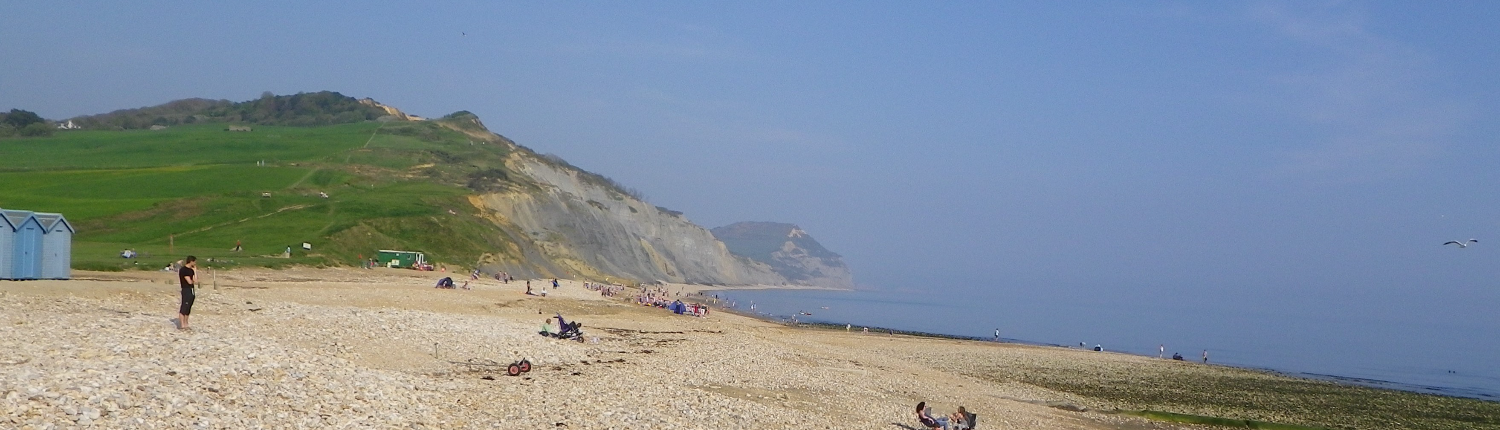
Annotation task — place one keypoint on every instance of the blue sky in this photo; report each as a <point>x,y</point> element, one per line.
<point>1282,157</point>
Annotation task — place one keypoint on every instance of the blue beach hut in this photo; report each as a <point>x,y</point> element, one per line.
<point>26,246</point>
<point>35,245</point>
<point>8,222</point>
<point>57,246</point>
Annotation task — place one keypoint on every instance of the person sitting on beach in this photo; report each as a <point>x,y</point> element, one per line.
<point>962,420</point>
<point>547,327</point>
<point>1177,356</point>
<point>924,415</point>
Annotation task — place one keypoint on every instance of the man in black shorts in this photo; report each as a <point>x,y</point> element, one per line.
<point>189,279</point>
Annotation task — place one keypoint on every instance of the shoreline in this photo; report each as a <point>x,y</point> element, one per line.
<point>688,289</point>
<point>354,347</point>
<point>1352,381</point>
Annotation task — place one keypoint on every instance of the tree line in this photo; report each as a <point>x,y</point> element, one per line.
<point>301,109</point>
<point>24,123</point>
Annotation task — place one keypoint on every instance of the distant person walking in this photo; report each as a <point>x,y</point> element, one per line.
<point>997,335</point>
<point>1161,351</point>
<point>1205,356</point>
<point>188,277</point>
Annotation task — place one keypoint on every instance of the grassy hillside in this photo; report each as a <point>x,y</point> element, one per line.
<point>199,188</point>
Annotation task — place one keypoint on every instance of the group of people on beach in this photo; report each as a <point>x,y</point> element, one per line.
<point>658,296</point>
<point>1161,351</point>
<point>447,283</point>
<point>606,290</point>
<point>958,420</point>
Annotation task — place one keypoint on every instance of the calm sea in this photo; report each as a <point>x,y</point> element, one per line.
<point>1467,365</point>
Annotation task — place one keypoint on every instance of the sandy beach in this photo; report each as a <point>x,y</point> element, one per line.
<point>350,348</point>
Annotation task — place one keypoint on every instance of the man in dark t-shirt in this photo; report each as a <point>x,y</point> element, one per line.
<point>189,279</point>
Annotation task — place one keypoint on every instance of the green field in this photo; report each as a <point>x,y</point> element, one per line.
<point>197,189</point>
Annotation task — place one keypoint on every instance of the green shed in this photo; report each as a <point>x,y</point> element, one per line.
<point>390,258</point>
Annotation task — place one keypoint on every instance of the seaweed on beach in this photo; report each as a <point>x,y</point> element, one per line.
<point>1243,394</point>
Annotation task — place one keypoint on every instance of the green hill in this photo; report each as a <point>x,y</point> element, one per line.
<point>350,177</point>
<point>195,188</point>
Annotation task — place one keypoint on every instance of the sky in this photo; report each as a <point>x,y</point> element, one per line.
<point>1260,160</point>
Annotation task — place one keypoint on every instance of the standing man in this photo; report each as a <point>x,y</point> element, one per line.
<point>1161,351</point>
<point>188,277</point>
<point>1205,356</point>
<point>997,335</point>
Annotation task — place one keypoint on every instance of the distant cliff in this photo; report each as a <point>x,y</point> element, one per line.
<point>569,221</point>
<point>789,251</point>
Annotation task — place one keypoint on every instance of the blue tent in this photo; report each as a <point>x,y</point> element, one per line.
<point>678,307</point>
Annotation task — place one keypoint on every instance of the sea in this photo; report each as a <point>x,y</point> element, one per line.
<point>1312,348</point>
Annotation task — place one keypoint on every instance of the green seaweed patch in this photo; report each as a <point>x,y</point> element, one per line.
<point>1199,419</point>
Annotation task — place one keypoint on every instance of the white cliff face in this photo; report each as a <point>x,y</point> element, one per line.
<point>581,227</point>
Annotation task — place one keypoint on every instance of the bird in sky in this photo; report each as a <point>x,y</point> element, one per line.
<point>1460,244</point>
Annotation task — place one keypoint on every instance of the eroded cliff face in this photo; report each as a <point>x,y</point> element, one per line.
<point>789,251</point>
<point>567,223</point>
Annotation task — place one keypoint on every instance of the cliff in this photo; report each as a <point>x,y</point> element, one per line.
<point>789,251</point>
<point>570,222</point>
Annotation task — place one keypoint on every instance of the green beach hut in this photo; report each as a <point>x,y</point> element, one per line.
<point>392,258</point>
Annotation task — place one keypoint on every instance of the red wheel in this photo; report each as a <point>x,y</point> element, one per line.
<point>513,370</point>
<point>525,366</point>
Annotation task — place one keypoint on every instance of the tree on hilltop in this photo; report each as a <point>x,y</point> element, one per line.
<point>302,109</point>
<point>24,123</point>
<point>20,118</point>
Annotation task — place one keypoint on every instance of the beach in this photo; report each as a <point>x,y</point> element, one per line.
<point>339,347</point>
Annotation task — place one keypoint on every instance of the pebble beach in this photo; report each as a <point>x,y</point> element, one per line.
<point>350,348</point>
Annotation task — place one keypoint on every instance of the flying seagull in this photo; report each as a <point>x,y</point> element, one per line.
<point>1461,244</point>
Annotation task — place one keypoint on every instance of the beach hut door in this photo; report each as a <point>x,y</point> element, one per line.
<point>28,263</point>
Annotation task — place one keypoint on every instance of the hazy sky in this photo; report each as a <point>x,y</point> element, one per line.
<point>1284,157</point>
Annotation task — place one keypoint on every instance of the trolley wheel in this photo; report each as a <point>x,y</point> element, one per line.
<point>525,366</point>
<point>513,369</point>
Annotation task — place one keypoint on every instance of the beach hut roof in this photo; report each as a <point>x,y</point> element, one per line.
<point>15,217</point>
<point>50,220</point>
